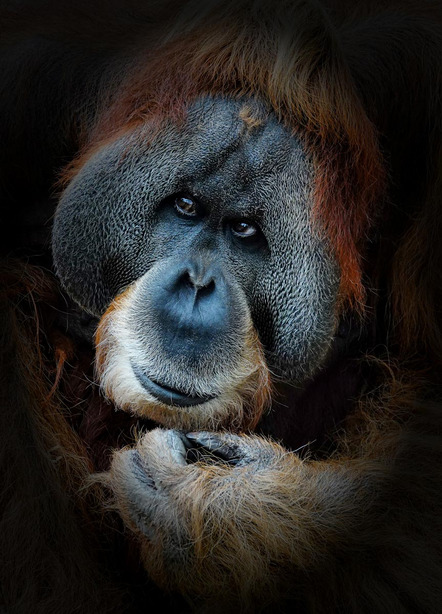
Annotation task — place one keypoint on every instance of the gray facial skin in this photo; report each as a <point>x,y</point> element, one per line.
<point>117,219</point>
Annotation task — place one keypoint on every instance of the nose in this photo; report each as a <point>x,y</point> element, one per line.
<point>199,279</point>
<point>192,306</point>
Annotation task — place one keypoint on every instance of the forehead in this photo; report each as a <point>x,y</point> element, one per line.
<point>221,129</point>
<point>239,136</point>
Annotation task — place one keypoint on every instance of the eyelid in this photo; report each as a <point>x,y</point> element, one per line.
<point>255,240</point>
<point>182,211</point>
<point>249,223</point>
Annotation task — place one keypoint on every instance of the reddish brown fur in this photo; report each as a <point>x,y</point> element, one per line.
<point>44,500</point>
<point>249,118</point>
<point>114,305</point>
<point>347,72</point>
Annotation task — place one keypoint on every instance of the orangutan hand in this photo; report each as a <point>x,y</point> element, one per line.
<point>236,516</point>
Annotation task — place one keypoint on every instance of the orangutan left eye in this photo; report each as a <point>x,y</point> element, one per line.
<point>244,229</point>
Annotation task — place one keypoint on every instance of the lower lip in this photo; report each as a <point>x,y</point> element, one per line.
<point>165,395</point>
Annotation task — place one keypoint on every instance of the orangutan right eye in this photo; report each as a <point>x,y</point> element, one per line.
<point>185,206</point>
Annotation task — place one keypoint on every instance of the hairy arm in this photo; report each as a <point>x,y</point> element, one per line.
<point>267,528</point>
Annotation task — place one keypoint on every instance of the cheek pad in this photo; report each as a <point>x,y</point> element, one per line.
<point>103,223</point>
<point>295,310</point>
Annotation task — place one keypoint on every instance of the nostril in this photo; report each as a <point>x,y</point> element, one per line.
<point>186,280</point>
<point>203,284</point>
<point>207,288</point>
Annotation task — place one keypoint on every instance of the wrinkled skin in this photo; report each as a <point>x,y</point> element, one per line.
<point>117,217</point>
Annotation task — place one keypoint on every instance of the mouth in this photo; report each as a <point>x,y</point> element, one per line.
<point>167,395</point>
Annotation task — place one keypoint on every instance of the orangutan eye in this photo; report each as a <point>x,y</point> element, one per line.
<point>244,229</point>
<point>186,206</point>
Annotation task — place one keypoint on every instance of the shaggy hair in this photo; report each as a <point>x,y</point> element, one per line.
<point>360,84</point>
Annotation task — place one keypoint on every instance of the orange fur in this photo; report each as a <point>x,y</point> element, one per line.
<point>329,534</point>
<point>356,529</point>
<point>48,521</point>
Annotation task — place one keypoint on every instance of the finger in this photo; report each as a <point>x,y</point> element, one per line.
<point>163,448</point>
<point>223,447</point>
